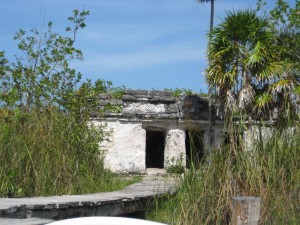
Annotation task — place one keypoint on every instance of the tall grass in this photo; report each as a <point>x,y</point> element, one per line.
<point>270,169</point>
<point>50,154</point>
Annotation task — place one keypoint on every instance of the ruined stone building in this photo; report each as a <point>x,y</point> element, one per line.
<point>154,129</point>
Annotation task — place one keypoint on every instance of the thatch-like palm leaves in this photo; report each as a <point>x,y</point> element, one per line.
<point>244,61</point>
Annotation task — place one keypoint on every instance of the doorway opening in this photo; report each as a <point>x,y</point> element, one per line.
<point>155,147</point>
<point>194,148</point>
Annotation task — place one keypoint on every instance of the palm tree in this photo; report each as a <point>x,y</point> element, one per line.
<point>210,104</point>
<point>244,61</point>
<point>212,9</point>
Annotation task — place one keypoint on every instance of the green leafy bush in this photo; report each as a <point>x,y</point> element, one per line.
<point>46,144</point>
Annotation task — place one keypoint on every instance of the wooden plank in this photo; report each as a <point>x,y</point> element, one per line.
<point>28,221</point>
<point>98,203</point>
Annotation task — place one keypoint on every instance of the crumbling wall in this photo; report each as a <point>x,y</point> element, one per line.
<point>124,144</point>
<point>141,104</point>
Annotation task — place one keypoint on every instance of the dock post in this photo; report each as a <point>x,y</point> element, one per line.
<point>245,210</point>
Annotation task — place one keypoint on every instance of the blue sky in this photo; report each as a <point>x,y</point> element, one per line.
<point>141,44</point>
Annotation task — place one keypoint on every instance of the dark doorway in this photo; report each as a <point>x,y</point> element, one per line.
<point>155,146</point>
<point>194,148</point>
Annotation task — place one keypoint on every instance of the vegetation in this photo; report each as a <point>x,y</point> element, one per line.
<point>270,171</point>
<point>251,65</point>
<point>253,73</point>
<point>187,92</point>
<point>50,154</point>
<point>210,99</point>
<point>46,144</point>
<point>212,11</point>
<point>176,165</point>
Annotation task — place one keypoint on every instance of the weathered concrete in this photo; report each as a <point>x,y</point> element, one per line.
<point>132,199</point>
<point>140,111</point>
<point>175,148</point>
<point>123,146</point>
<point>142,104</point>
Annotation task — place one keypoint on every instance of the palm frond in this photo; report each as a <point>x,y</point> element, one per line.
<point>282,86</point>
<point>297,90</point>
<point>269,70</point>
<point>263,100</point>
<point>245,60</point>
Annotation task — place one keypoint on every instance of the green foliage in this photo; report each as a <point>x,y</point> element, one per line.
<point>84,101</point>
<point>50,154</point>
<point>176,165</point>
<point>180,91</point>
<point>253,71</point>
<point>46,144</point>
<point>260,4</point>
<point>117,92</point>
<point>253,57</point>
<point>243,60</point>
<point>41,75</point>
<point>270,170</point>
<point>285,23</point>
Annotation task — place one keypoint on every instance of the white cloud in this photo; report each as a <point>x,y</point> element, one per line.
<point>179,53</point>
<point>116,35</point>
<point>140,28</point>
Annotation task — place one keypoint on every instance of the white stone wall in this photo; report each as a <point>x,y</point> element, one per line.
<point>175,152</point>
<point>124,147</point>
<point>144,108</point>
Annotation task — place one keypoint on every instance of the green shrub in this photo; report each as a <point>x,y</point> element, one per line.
<point>50,154</point>
<point>46,145</point>
<point>270,170</point>
<point>176,165</point>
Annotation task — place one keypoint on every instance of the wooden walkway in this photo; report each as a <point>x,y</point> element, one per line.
<point>27,221</point>
<point>42,210</point>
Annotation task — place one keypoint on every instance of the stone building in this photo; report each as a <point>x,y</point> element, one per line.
<point>154,129</point>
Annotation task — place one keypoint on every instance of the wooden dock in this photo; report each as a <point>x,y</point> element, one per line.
<point>27,221</point>
<point>43,210</point>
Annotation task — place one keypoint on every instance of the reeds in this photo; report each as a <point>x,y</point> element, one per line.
<point>50,154</point>
<point>268,168</point>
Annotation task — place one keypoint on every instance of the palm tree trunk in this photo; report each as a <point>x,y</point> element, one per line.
<point>212,12</point>
<point>210,103</point>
